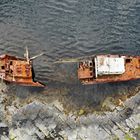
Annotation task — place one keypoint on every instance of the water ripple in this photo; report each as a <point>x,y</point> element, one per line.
<point>68,28</point>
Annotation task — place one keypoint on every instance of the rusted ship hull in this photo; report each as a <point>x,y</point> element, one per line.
<point>32,84</point>
<point>109,68</point>
<point>17,70</point>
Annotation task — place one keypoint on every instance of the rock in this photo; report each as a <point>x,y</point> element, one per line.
<point>58,106</point>
<point>29,111</point>
<point>129,123</point>
<point>20,134</point>
<point>41,126</point>
<point>4,129</point>
<point>108,104</point>
<point>63,134</point>
<point>29,127</point>
<point>40,134</point>
<point>37,120</point>
<point>4,137</point>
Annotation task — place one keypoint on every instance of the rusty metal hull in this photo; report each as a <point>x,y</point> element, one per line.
<point>17,70</point>
<point>87,75</point>
<point>32,84</point>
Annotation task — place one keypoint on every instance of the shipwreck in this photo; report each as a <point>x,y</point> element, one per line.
<point>108,68</point>
<point>18,70</point>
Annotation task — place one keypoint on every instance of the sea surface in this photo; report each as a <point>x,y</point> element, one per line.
<point>68,29</point>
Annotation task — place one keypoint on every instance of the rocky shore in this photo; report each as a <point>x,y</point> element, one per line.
<point>35,119</point>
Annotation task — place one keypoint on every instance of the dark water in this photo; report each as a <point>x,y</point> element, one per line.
<point>68,29</point>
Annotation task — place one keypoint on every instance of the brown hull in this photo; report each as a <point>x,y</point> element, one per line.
<point>17,70</point>
<point>131,66</point>
<point>33,84</point>
<point>107,81</point>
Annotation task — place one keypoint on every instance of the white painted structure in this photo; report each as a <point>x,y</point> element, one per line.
<point>107,65</point>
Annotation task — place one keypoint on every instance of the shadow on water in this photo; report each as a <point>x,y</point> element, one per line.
<point>75,96</point>
<point>23,92</point>
<point>91,97</point>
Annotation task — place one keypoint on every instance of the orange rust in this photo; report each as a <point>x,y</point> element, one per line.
<point>17,70</point>
<point>132,71</point>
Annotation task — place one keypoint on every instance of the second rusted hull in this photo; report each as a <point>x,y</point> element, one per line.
<point>132,71</point>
